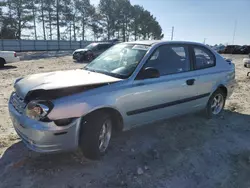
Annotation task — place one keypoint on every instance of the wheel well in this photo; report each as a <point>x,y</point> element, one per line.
<point>223,88</point>
<point>116,116</point>
<point>2,60</point>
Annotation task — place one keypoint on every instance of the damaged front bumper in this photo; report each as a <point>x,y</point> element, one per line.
<point>45,137</point>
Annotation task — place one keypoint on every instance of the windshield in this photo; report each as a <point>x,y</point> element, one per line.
<point>119,61</point>
<point>91,46</point>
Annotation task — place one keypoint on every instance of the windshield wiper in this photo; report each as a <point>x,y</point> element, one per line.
<point>91,70</point>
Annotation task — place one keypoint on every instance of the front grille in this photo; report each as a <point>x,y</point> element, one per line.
<point>18,103</point>
<point>76,55</point>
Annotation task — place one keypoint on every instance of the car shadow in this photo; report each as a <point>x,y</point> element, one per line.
<point>6,67</point>
<point>161,146</point>
<point>81,62</point>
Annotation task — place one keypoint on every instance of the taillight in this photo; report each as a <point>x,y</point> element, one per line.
<point>14,54</point>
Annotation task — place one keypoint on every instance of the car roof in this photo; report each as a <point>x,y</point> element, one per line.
<point>145,42</point>
<point>102,43</point>
<point>152,42</point>
<point>105,42</point>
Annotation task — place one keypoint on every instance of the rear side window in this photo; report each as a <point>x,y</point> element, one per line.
<point>203,58</point>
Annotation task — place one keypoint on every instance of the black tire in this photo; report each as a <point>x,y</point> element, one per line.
<point>2,62</point>
<point>89,135</point>
<point>208,111</point>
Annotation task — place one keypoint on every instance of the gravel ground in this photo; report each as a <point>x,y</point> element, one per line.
<point>184,152</point>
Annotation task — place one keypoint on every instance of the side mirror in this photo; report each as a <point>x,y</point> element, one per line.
<point>148,72</point>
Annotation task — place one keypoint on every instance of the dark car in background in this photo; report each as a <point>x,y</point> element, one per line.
<point>218,48</point>
<point>91,51</point>
<point>235,49</point>
<point>230,49</point>
<point>245,49</point>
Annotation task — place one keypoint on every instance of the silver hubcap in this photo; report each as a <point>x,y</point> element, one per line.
<point>105,135</point>
<point>217,104</point>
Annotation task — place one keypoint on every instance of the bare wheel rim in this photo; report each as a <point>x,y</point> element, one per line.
<point>105,135</point>
<point>217,104</point>
<point>89,57</point>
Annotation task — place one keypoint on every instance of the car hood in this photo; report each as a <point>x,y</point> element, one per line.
<point>60,79</point>
<point>81,50</point>
<point>7,52</point>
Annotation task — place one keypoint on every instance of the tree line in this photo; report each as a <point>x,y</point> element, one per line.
<point>73,19</point>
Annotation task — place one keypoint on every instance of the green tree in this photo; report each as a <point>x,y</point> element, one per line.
<point>49,15</point>
<point>123,12</point>
<point>58,7</point>
<point>67,12</point>
<point>108,12</point>
<point>6,31</point>
<point>32,7</point>
<point>136,12</point>
<point>41,17</point>
<point>85,10</point>
<point>19,11</point>
<point>75,18</point>
<point>111,18</point>
<point>6,23</point>
<point>2,4</point>
<point>95,25</point>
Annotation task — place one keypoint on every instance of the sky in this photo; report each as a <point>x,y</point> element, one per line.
<point>197,20</point>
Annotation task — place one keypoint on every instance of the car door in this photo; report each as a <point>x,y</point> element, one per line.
<point>173,93</point>
<point>207,74</point>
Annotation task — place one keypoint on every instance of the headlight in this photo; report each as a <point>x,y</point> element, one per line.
<point>38,110</point>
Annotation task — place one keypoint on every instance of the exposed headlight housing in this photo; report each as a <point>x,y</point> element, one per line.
<point>38,110</point>
<point>63,122</point>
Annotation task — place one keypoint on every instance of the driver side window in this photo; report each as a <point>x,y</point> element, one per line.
<point>170,59</point>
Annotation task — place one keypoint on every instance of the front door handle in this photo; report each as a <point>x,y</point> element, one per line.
<point>190,82</point>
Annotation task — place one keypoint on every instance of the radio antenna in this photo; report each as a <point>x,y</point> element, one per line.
<point>235,25</point>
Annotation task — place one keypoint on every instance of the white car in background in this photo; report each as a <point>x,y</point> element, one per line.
<point>8,57</point>
<point>246,62</point>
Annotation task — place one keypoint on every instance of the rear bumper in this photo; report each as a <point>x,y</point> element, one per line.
<point>44,137</point>
<point>230,88</point>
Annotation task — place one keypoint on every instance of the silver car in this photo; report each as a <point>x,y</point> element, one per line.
<point>129,85</point>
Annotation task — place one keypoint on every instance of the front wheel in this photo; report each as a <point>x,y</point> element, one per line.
<point>216,103</point>
<point>90,57</point>
<point>80,58</point>
<point>95,135</point>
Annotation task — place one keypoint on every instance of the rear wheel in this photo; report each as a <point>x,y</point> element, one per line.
<point>95,135</point>
<point>216,103</point>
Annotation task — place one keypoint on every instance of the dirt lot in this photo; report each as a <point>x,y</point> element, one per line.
<point>185,152</point>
